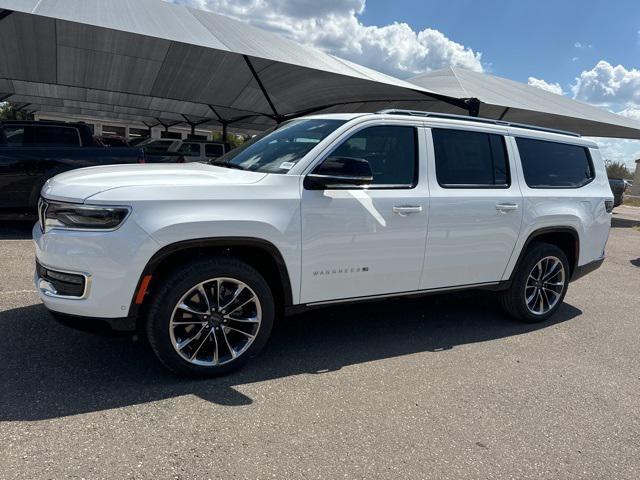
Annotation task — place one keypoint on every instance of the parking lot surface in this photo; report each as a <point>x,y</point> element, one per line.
<point>439,387</point>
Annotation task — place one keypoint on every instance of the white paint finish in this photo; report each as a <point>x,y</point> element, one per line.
<point>466,240</point>
<point>78,185</point>
<point>469,241</point>
<point>114,260</point>
<point>581,209</point>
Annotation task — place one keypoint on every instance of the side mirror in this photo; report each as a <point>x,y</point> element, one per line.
<point>339,173</point>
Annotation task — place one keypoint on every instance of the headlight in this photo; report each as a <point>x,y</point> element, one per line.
<point>82,217</point>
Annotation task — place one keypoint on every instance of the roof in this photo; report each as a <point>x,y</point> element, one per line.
<point>505,99</point>
<point>145,60</point>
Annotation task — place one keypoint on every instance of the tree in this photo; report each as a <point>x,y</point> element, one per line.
<point>617,170</point>
<point>8,112</point>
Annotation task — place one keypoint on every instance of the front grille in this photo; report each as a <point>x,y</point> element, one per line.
<point>42,212</point>
<point>65,284</point>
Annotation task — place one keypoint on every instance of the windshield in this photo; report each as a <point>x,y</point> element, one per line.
<point>279,150</point>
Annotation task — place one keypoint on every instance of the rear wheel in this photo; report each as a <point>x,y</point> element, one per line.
<point>539,285</point>
<point>210,317</point>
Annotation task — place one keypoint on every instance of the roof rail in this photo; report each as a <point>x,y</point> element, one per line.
<point>418,113</point>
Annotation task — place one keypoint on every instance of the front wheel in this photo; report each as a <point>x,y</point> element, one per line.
<point>210,317</point>
<point>539,285</point>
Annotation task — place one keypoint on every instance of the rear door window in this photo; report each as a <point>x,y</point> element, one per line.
<point>554,165</point>
<point>467,159</point>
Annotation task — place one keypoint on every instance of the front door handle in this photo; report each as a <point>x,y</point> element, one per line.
<point>404,210</point>
<point>506,207</point>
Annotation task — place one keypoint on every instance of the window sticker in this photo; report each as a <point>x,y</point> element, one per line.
<point>287,165</point>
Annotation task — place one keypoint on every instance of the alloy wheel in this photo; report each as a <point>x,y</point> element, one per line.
<point>215,322</point>
<point>545,285</point>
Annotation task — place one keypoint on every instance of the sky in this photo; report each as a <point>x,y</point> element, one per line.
<point>588,50</point>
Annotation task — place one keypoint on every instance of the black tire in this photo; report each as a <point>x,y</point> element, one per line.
<point>181,281</point>
<point>514,300</point>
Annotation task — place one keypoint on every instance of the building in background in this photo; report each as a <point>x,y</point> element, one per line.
<point>130,131</point>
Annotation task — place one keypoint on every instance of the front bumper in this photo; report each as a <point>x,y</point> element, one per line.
<point>111,263</point>
<point>101,326</point>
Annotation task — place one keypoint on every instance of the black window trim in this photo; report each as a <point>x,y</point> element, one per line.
<point>479,186</point>
<point>559,187</point>
<point>386,186</point>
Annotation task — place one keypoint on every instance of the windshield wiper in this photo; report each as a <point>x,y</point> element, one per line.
<point>227,164</point>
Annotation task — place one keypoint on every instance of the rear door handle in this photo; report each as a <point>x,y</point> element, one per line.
<point>404,210</point>
<point>506,207</point>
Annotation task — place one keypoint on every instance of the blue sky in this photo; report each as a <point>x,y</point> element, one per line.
<point>588,50</point>
<point>553,40</point>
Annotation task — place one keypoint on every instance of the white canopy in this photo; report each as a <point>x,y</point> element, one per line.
<point>155,61</point>
<point>507,100</point>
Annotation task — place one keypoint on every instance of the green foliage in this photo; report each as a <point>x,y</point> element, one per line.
<point>234,140</point>
<point>7,112</point>
<point>617,170</point>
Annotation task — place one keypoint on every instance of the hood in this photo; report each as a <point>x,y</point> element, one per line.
<point>78,185</point>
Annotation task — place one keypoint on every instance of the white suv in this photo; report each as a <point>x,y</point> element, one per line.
<point>323,209</point>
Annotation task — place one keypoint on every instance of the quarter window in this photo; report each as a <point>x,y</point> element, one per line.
<point>554,165</point>
<point>466,159</point>
<point>391,151</point>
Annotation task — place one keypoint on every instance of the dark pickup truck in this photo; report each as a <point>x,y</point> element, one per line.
<point>33,151</point>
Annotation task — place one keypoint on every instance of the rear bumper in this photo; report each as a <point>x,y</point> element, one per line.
<point>587,268</point>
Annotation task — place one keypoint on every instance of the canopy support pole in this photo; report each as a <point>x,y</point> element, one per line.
<point>276,116</point>
<point>225,123</point>
<point>150,126</point>
<point>167,126</point>
<point>193,125</point>
<point>473,106</point>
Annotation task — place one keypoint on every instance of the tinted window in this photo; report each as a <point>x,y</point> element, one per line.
<point>391,151</point>
<point>190,149</point>
<point>470,159</point>
<point>14,135</point>
<point>213,150</point>
<point>279,150</point>
<point>554,165</point>
<point>41,136</point>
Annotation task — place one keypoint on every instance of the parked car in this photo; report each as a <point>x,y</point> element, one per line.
<point>618,188</point>
<point>113,141</point>
<point>33,151</point>
<point>187,150</point>
<point>324,209</point>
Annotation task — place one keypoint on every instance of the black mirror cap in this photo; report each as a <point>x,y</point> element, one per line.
<point>313,181</point>
<point>340,172</point>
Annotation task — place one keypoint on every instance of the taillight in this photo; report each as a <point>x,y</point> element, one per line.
<point>141,158</point>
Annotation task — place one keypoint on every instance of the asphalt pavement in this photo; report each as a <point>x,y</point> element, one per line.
<point>443,387</point>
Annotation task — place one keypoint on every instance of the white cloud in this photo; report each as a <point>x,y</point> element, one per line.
<point>577,45</point>
<point>543,85</point>
<point>615,88</point>
<point>334,26</point>
<point>608,85</point>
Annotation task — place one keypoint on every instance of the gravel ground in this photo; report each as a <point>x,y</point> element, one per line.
<point>440,387</point>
